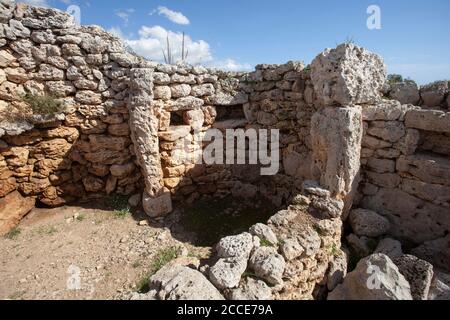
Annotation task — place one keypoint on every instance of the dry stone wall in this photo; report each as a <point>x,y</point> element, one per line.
<point>85,151</point>
<point>405,164</point>
<point>431,96</point>
<point>130,125</point>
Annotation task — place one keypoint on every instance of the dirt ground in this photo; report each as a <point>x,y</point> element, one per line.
<point>83,252</point>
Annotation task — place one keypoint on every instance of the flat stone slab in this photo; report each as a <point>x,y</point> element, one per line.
<point>430,120</point>
<point>13,208</point>
<point>426,167</point>
<point>174,133</point>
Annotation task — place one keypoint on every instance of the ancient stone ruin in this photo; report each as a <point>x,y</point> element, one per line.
<point>359,172</point>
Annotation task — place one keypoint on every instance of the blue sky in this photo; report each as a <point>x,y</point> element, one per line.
<point>413,39</point>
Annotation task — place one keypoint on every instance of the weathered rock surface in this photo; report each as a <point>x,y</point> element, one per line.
<point>433,94</point>
<point>436,252</point>
<point>251,289</point>
<point>418,273</point>
<point>432,120</point>
<point>183,283</point>
<point>375,278</point>
<point>368,223</point>
<point>226,273</point>
<point>268,265</point>
<point>337,270</point>
<point>406,92</point>
<point>264,232</point>
<point>440,286</point>
<point>390,247</point>
<point>235,246</point>
<point>13,208</point>
<point>336,139</point>
<point>348,75</point>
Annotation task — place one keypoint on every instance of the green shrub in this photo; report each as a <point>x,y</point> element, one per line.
<point>394,78</point>
<point>119,204</point>
<point>43,104</point>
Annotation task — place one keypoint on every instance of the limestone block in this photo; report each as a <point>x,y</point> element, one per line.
<point>411,218</point>
<point>418,273</point>
<point>433,94</point>
<point>174,133</point>
<point>368,223</point>
<point>336,135</point>
<point>194,118</point>
<point>406,92</point>
<point>426,168</point>
<point>430,120</point>
<point>393,285</point>
<point>157,206</point>
<point>348,75</point>
<point>13,208</point>
<point>176,282</point>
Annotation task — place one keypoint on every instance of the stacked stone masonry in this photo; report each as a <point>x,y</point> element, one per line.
<point>130,125</point>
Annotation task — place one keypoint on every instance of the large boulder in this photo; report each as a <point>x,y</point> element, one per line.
<point>440,286</point>
<point>268,265</point>
<point>390,247</point>
<point>433,94</point>
<point>251,289</point>
<point>235,246</point>
<point>13,208</point>
<point>419,274</point>
<point>264,232</point>
<point>226,273</point>
<point>182,283</point>
<point>337,270</point>
<point>407,92</point>
<point>368,223</point>
<point>375,278</point>
<point>436,252</point>
<point>348,75</point>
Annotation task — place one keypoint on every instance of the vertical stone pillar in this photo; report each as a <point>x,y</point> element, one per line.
<point>336,134</point>
<point>344,79</point>
<point>144,126</point>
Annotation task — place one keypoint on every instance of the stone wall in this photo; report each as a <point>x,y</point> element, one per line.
<point>405,163</point>
<point>84,151</point>
<point>433,96</point>
<point>131,125</point>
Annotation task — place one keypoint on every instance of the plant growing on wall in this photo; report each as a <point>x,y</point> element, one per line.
<point>45,104</point>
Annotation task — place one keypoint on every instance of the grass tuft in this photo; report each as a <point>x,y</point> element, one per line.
<point>162,258</point>
<point>265,243</point>
<point>13,234</point>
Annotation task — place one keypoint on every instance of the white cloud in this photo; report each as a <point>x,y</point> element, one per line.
<point>230,65</point>
<point>174,16</point>
<point>36,3</point>
<point>125,15</point>
<point>153,40</point>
